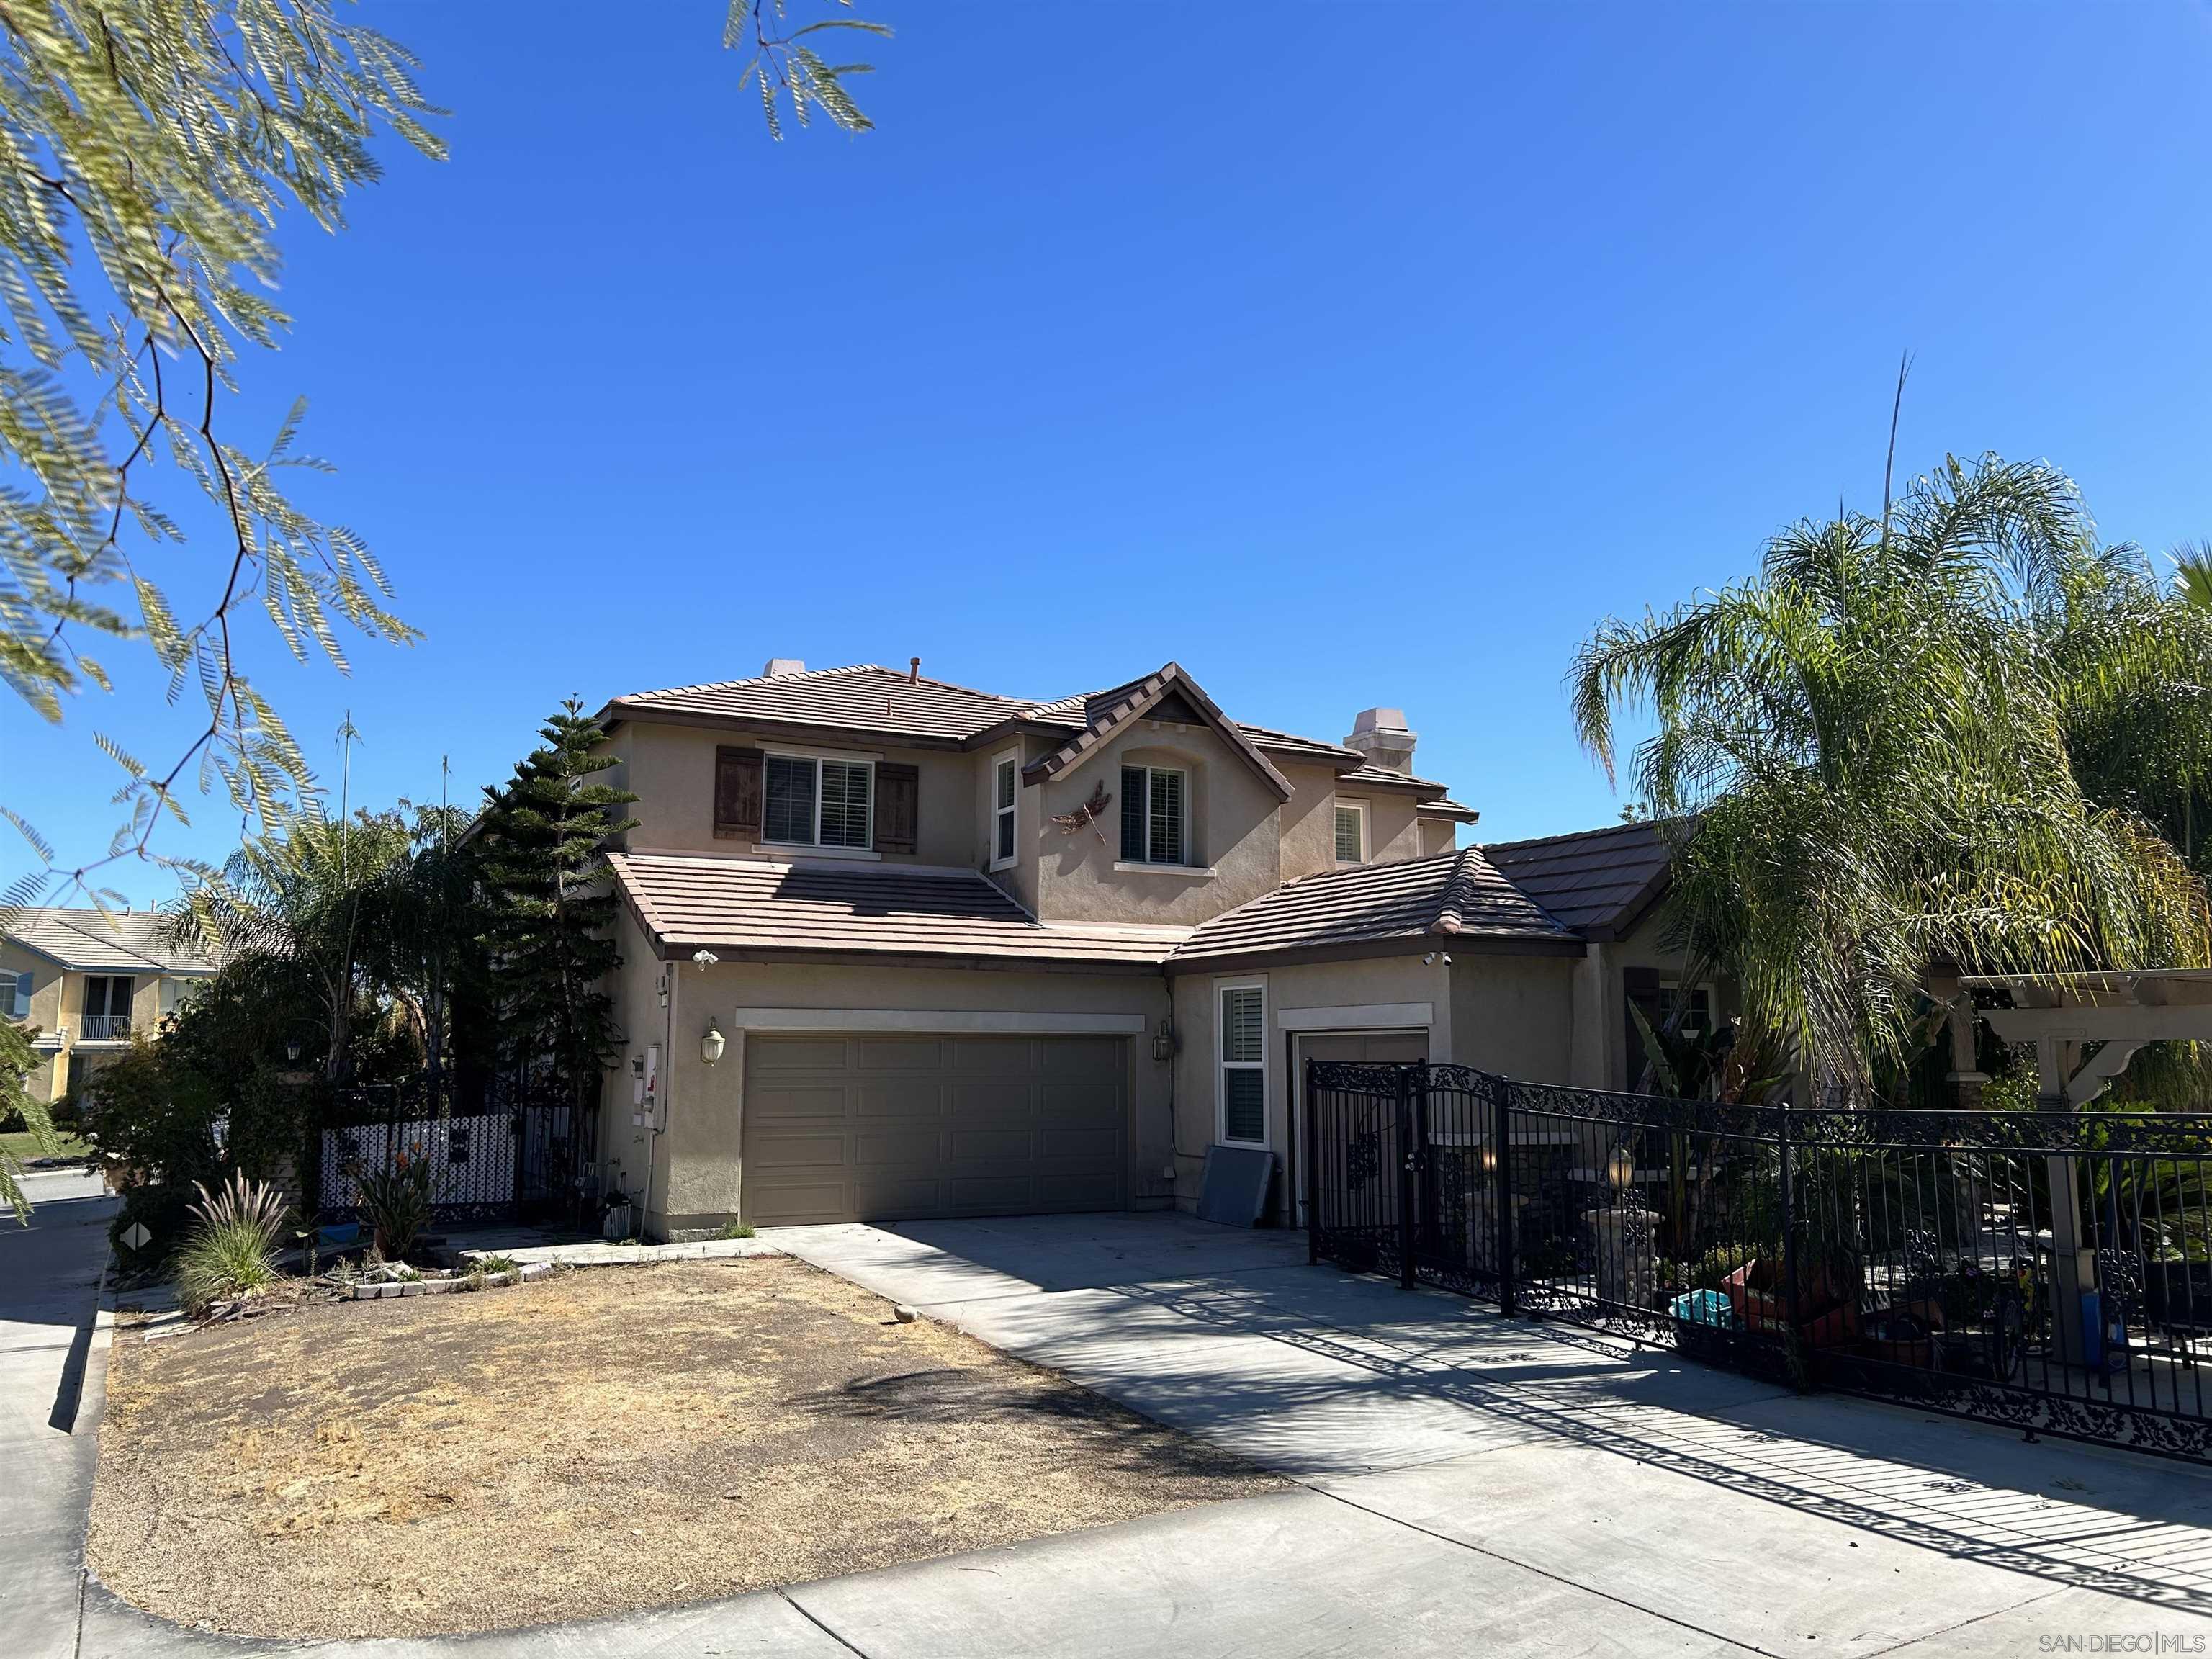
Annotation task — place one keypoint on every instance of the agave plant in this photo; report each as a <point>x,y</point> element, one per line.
<point>231,1250</point>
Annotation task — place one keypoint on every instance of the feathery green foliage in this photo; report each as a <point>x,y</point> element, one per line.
<point>17,1060</point>
<point>785,63</point>
<point>231,1249</point>
<point>551,902</point>
<point>1872,740</point>
<point>148,152</point>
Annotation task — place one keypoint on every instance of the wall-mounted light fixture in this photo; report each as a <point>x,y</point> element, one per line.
<point>710,1046</point>
<point>292,1051</point>
<point>1163,1043</point>
<point>1622,1169</point>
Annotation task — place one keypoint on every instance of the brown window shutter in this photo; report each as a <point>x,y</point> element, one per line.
<point>738,792</point>
<point>1639,988</point>
<point>898,790</point>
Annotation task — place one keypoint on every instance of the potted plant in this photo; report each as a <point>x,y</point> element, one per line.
<point>1827,1299</point>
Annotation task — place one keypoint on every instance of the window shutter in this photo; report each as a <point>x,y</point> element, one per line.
<point>1132,815</point>
<point>1639,988</point>
<point>738,792</point>
<point>1167,818</point>
<point>898,800</point>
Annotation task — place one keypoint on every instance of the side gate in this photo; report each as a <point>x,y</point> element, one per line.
<point>2051,1271</point>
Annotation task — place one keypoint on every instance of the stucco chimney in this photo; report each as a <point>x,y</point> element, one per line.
<point>783,667</point>
<point>1382,735</point>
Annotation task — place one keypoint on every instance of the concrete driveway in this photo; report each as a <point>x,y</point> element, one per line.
<point>1473,1481</point>
<point>1469,1484</point>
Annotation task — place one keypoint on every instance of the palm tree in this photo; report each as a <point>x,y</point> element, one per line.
<point>1872,737</point>
<point>2192,576</point>
<point>305,899</point>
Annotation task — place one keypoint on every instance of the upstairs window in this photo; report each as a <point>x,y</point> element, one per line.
<point>1155,809</point>
<point>1351,833</point>
<point>1243,1035</point>
<point>1005,792</point>
<point>809,802</point>
<point>16,996</point>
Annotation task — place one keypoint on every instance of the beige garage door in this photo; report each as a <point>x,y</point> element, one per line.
<point>885,1128</point>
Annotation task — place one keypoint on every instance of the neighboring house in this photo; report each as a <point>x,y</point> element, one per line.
<point>84,980</point>
<point>959,953</point>
<point>1607,884</point>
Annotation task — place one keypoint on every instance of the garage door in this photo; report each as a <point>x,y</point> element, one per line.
<point>881,1128</point>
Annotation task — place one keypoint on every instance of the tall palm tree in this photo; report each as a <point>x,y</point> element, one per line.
<point>307,899</point>
<point>1872,737</point>
<point>2192,576</point>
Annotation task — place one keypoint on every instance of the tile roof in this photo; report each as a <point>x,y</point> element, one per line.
<point>692,902</point>
<point>1289,743</point>
<point>1444,806</point>
<point>104,942</point>
<point>863,697</point>
<point>1106,713</point>
<point>1383,777</point>
<point>1456,894</point>
<point>1599,882</point>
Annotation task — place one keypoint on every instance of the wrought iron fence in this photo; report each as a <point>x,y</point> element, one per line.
<point>2051,1271</point>
<point>509,1147</point>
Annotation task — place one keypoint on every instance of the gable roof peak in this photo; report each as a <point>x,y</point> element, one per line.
<point>1107,713</point>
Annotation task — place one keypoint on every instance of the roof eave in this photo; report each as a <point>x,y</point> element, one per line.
<point>1396,944</point>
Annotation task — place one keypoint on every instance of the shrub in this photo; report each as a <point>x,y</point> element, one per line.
<point>735,1229</point>
<point>497,1264</point>
<point>165,1211</point>
<point>231,1249</point>
<point>396,1202</point>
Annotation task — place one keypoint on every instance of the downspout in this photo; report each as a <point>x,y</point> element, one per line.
<point>1175,1139</point>
<point>667,1080</point>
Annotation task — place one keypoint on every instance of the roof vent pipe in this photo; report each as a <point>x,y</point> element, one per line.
<point>913,670</point>
<point>780,668</point>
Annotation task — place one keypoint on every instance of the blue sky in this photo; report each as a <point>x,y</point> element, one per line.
<point>1349,353</point>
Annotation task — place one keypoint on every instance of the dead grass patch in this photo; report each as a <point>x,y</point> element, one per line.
<point>603,1441</point>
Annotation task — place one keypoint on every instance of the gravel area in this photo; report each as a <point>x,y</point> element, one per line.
<point>593,1443</point>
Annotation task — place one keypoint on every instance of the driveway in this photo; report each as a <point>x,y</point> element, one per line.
<point>1468,1484</point>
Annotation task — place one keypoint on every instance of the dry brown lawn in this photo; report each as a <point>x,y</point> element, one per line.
<point>597,1442</point>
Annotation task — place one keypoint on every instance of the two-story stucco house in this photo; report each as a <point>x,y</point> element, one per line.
<point>894,948</point>
<point>84,980</point>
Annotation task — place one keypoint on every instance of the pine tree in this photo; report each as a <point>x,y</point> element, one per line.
<point>551,903</point>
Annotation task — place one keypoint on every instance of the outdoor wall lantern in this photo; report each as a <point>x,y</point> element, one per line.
<point>1163,1043</point>
<point>1621,1167</point>
<point>1489,1160</point>
<point>710,1046</point>
<point>292,1051</point>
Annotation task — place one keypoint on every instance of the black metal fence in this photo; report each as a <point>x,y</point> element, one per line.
<point>2048,1270</point>
<point>509,1148</point>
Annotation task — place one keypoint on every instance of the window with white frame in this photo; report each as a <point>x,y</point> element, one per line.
<point>1352,832</point>
<point>1005,793</point>
<point>1243,1039</point>
<point>1689,1009</point>
<point>1155,815</point>
<point>814,801</point>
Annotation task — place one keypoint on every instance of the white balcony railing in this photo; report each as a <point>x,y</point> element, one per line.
<point>103,1028</point>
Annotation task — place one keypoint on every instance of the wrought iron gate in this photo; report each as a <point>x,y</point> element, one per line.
<point>2051,1271</point>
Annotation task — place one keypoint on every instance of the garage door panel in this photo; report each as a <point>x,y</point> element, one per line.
<point>972,1101</point>
<point>1082,1059</point>
<point>1078,1145</point>
<point>795,1054</point>
<point>873,1127</point>
<point>920,1100</point>
<point>784,1150</point>
<point>921,1054</point>
<point>877,1149</point>
<point>777,1102</point>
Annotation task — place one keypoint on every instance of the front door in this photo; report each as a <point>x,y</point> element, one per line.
<point>1363,1047</point>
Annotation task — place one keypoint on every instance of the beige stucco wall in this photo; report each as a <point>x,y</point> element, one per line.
<point>1308,821</point>
<point>1601,1058</point>
<point>697,1180</point>
<point>1514,1015</point>
<point>670,768</point>
<point>1437,835</point>
<point>1233,835</point>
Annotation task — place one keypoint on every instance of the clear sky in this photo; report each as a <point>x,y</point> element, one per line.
<point>1347,354</point>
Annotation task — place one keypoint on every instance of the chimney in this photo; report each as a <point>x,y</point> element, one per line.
<point>780,668</point>
<point>913,670</point>
<point>1382,737</point>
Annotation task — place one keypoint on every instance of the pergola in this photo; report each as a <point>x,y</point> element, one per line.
<point>2085,1028</point>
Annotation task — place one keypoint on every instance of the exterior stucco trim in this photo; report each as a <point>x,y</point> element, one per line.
<point>1409,944</point>
<point>1009,1022</point>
